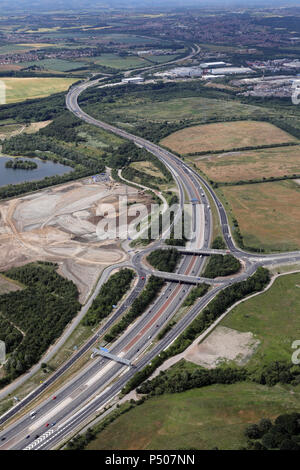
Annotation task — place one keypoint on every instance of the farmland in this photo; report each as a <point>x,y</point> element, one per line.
<point>252,164</point>
<point>197,419</point>
<point>225,136</point>
<point>56,65</point>
<point>12,48</point>
<point>268,214</point>
<point>21,89</point>
<point>117,62</point>
<point>273,317</point>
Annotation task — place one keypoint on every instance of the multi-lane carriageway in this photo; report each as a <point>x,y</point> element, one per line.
<point>95,386</point>
<point>70,399</point>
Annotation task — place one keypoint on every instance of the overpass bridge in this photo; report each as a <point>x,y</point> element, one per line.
<point>113,357</point>
<point>183,278</point>
<point>196,251</point>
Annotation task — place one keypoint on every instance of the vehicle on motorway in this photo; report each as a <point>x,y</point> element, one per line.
<point>54,398</point>
<point>3,438</point>
<point>46,425</point>
<point>27,437</point>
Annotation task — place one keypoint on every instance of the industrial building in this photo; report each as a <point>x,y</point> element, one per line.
<point>133,80</point>
<point>230,70</point>
<point>181,72</point>
<point>210,65</point>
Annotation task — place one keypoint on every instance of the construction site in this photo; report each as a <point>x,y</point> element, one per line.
<point>58,224</point>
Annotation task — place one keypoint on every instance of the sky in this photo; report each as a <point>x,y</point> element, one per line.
<point>36,6</point>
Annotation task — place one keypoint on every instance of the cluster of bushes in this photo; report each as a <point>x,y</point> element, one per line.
<point>185,380</point>
<point>282,434</point>
<point>221,265</point>
<point>164,260</point>
<point>139,305</point>
<point>110,294</point>
<point>18,164</point>
<point>218,243</point>
<point>277,372</point>
<point>42,309</point>
<point>63,128</point>
<point>215,309</point>
<point>195,293</point>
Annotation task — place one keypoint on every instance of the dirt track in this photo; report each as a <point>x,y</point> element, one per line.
<point>59,225</point>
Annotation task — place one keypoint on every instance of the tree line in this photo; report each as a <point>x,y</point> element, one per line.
<point>138,307</point>
<point>110,294</point>
<point>42,309</point>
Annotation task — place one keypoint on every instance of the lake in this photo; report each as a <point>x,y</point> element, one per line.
<point>45,168</point>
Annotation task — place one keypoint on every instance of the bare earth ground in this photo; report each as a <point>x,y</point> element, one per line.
<point>223,344</point>
<point>7,286</point>
<point>253,164</point>
<point>59,225</point>
<point>11,130</point>
<point>225,136</point>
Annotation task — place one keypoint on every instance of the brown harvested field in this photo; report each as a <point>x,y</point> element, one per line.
<point>225,136</point>
<point>268,214</point>
<point>253,164</point>
<point>59,224</point>
<point>9,67</point>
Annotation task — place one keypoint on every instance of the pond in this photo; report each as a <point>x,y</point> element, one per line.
<point>45,168</point>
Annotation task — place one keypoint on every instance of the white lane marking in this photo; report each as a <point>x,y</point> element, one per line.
<point>44,419</point>
<point>39,440</point>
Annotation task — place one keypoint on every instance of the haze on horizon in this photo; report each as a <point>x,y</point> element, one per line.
<point>38,6</point>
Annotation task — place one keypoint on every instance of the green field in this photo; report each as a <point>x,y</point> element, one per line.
<point>58,65</point>
<point>97,138</point>
<point>137,108</point>
<point>161,59</point>
<point>130,39</point>
<point>197,419</point>
<point>273,317</point>
<point>21,89</point>
<point>116,62</point>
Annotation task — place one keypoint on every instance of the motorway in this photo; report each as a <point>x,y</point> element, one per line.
<point>71,397</point>
<point>102,380</point>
